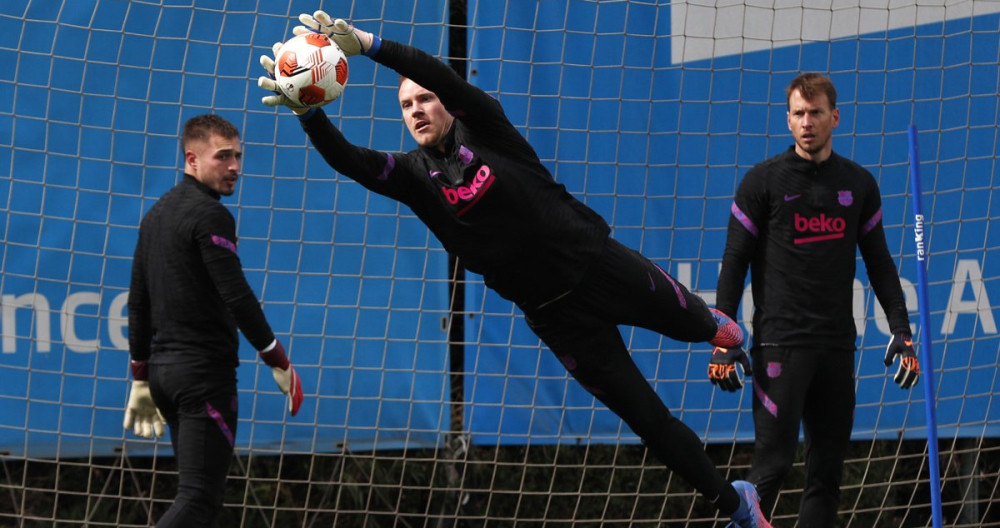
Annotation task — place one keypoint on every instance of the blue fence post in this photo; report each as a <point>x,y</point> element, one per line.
<point>924,337</point>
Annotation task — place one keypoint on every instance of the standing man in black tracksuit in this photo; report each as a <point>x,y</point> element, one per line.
<point>481,189</point>
<point>186,299</point>
<point>797,222</point>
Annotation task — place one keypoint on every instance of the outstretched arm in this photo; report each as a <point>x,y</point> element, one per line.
<point>457,95</point>
<point>368,167</point>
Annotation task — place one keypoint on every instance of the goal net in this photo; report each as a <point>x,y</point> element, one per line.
<point>428,400</point>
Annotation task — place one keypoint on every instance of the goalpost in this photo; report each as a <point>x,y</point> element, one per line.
<point>428,400</point>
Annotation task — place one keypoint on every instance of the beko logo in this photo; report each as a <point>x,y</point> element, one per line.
<point>819,228</point>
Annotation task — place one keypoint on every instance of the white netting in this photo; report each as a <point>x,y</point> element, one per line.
<point>421,415</point>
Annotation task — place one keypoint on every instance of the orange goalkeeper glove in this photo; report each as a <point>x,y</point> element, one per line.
<point>901,345</point>
<point>727,367</point>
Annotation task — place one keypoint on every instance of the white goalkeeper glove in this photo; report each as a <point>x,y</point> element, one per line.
<point>267,82</point>
<point>141,414</point>
<point>352,41</point>
<point>284,375</point>
<point>901,345</point>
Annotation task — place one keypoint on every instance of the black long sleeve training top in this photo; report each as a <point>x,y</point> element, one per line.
<point>188,293</point>
<point>797,224</point>
<point>488,198</point>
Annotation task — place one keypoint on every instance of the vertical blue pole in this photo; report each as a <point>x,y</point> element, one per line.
<point>924,337</point>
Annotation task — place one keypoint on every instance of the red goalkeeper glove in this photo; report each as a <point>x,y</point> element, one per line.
<point>901,345</point>
<point>284,375</point>
<point>726,368</point>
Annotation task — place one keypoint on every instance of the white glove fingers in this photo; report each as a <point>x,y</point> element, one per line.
<point>302,30</point>
<point>268,64</point>
<point>341,26</point>
<point>323,18</point>
<point>272,100</point>
<point>282,378</point>
<point>267,83</point>
<point>309,21</point>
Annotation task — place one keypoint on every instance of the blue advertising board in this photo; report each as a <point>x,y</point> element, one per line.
<point>651,130</point>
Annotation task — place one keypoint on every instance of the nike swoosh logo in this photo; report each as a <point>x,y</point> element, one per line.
<point>790,197</point>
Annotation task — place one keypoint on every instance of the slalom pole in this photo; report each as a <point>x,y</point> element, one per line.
<point>924,338</point>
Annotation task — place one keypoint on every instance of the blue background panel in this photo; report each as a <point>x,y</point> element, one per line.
<point>355,285</point>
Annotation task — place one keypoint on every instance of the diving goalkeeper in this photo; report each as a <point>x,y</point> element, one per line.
<point>481,189</point>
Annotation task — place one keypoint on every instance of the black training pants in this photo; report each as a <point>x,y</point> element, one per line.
<point>625,288</point>
<point>200,407</point>
<point>814,388</point>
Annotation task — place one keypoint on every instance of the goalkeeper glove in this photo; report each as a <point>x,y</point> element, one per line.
<point>901,345</point>
<point>352,41</point>
<point>284,375</point>
<point>268,83</point>
<point>141,414</point>
<point>727,367</point>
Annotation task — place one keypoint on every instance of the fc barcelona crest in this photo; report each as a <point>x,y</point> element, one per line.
<point>845,198</point>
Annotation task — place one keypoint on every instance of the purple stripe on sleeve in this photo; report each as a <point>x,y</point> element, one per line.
<point>224,242</point>
<point>677,290</point>
<point>872,222</point>
<point>745,220</point>
<point>390,163</point>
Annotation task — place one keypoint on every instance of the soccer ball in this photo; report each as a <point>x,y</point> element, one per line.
<point>311,69</point>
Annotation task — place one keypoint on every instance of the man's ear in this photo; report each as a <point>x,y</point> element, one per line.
<point>191,160</point>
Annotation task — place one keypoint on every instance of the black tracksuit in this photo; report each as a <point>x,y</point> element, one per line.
<point>797,225</point>
<point>491,202</point>
<point>186,299</point>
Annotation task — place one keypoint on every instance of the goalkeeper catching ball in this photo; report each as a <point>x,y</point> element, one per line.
<point>481,189</point>
<point>798,220</point>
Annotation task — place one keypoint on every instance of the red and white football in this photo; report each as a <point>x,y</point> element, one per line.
<point>311,70</point>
